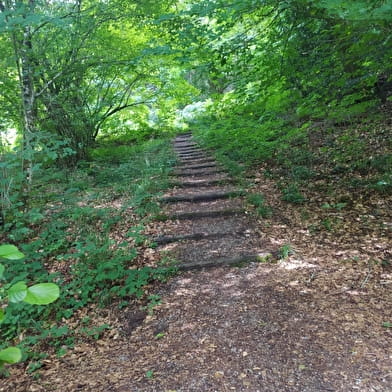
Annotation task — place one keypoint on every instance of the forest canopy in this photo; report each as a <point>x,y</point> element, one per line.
<point>75,69</point>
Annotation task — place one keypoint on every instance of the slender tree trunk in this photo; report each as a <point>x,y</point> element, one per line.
<point>23,47</point>
<point>28,106</point>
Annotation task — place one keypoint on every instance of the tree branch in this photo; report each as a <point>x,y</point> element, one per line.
<point>116,110</point>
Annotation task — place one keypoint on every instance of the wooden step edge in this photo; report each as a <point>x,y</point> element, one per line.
<point>191,156</point>
<point>225,261</point>
<point>201,197</point>
<point>185,144</point>
<point>200,166</point>
<point>168,239</point>
<point>186,158</point>
<point>200,184</point>
<point>186,149</point>
<point>198,161</point>
<point>197,173</point>
<point>190,151</point>
<point>201,214</point>
<point>183,135</point>
<point>193,152</point>
<point>188,162</point>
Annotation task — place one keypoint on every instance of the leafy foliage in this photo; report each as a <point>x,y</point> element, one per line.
<point>283,77</point>
<point>78,235</point>
<point>38,294</point>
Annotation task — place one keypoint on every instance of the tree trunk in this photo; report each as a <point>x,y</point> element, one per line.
<point>23,47</point>
<point>28,106</point>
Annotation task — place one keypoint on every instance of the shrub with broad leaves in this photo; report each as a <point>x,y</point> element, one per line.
<point>37,294</point>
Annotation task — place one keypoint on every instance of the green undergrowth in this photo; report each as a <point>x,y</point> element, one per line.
<point>258,201</point>
<point>357,155</point>
<point>239,141</point>
<point>83,231</point>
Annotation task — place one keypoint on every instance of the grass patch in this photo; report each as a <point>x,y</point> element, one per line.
<point>258,201</point>
<point>292,194</point>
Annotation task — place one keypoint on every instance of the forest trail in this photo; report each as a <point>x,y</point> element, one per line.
<point>206,223</point>
<point>267,265</point>
<point>305,323</point>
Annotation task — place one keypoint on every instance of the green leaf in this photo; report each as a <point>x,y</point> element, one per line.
<point>1,270</point>
<point>149,374</point>
<point>10,355</point>
<point>10,252</point>
<point>17,292</point>
<point>2,315</point>
<point>387,325</point>
<point>42,294</point>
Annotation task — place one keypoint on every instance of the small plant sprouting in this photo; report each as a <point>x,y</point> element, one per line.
<point>266,258</point>
<point>386,263</point>
<point>154,300</point>
<point>168,261</point>
<point>136,234</point>
<point>327,223</point>
<point>292,194</point>
<point>336,206</point>
<point>285,251</point>
<point>149,374</point>
<point>258,200</point>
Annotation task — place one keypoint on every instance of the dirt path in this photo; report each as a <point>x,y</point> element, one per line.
<point>306,324</point>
